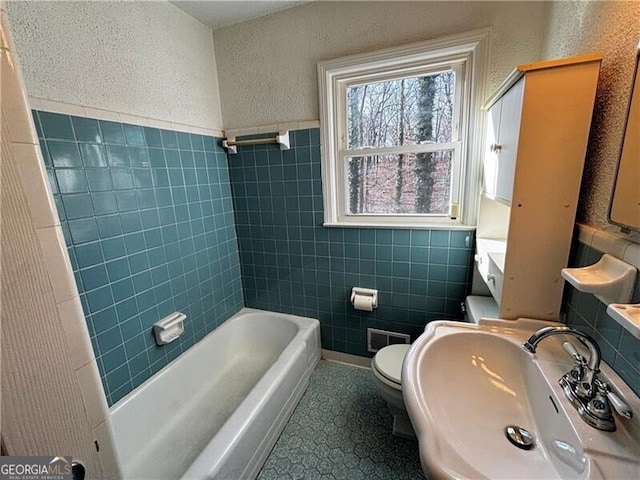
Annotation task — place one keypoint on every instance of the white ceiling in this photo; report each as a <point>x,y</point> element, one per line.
<point>222,13</point>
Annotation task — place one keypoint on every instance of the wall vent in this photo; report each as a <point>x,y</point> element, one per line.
<point>376,339</point>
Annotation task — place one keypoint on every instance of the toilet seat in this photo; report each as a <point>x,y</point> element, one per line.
<point>388,363</point>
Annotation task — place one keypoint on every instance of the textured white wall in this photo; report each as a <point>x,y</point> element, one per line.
<point>612,28</point>
<point>267,67</point>
<point>142,58</point>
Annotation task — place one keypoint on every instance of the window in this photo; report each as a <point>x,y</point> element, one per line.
<point>399,128</point>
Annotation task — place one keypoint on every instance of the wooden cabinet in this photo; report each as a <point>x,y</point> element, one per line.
<point>538,129</point>
<point>502,143</point>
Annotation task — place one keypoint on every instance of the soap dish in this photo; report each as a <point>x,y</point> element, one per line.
<point>610,279</point>
<point>626,315</point>
<point>169,328</point>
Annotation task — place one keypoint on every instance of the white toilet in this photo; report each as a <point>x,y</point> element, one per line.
<point>386,366</point>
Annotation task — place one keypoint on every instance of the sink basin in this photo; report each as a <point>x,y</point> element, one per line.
<point>463,385</point>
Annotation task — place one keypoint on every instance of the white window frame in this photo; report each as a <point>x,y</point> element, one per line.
<point>466,54</point>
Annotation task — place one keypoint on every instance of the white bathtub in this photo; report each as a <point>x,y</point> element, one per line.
<point>218,409</point>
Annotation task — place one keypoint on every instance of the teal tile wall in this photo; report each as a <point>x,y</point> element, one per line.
<point>620,349</point>
<point>148,218</point>
<point>291,264</point>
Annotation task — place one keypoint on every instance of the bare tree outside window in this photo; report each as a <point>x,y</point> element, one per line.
<point>399,113</point>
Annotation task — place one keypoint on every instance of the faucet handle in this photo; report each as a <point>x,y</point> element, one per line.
<point>615,401</point>
<point>619,405</point>
<point>571,350</point>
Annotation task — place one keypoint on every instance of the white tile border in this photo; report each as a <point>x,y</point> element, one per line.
<point>632,254</point>
<point>585,233</point>
<point>309,124</point>
<point>34,179</point>
<point>608,242</point>
<point>132,119</point>
<point>20,127</point>
<point>121,117</point>
<point>69,109</point>
<point>274,127</point>
<point>87,112</point>
<point>22,134</point>
<point>58,264</point>
<point>95,403</point>
<point>75,327</point>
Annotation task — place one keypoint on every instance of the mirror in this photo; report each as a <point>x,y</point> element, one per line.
<point>625,203</point>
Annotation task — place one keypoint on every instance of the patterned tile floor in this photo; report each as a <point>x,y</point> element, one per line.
<point>341,429</point>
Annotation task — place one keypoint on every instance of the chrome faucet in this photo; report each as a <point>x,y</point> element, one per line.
<point>584,385</point>
<point>588,394</point>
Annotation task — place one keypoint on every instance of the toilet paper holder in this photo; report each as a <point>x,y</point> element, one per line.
<point>365,292</point>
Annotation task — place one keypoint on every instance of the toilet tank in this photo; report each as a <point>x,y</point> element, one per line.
<point>477,307</point>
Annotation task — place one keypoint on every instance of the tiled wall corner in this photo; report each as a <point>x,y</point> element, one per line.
<point>292,264</point>
<point>148,218</point>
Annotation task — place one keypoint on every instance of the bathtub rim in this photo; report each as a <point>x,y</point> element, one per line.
<point>304,323</point>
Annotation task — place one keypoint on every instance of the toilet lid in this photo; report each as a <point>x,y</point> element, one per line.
<point>388,361</point>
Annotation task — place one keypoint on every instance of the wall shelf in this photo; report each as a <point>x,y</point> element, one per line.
<point>610,279</point>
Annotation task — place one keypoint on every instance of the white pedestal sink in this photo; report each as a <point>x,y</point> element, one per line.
<point>464,384</point>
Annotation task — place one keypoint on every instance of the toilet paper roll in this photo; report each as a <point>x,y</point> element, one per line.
<point>363,302</point>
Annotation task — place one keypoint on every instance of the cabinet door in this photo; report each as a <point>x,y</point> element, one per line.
<point>490,163</point>
<point>508,140</point>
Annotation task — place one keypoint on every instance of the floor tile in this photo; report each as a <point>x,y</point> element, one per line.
<point>341,429</point>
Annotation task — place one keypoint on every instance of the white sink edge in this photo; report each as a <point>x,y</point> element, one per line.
<point>552,367</point>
